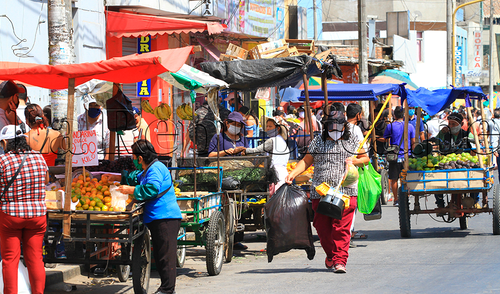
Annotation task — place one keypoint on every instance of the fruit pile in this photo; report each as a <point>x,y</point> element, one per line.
<point>91,194</point>
<point>450,161</point>
<point>184,111</point>
<point>291,166</point>
<point>162,111</point>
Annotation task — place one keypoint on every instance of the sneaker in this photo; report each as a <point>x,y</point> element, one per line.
<point>396,203</point>
<point>239,246</point>
<point>339,269</point>
<point>329,263</point>
<point>352,245</point>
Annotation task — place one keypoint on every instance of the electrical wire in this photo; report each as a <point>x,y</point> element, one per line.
<point>25,54</point>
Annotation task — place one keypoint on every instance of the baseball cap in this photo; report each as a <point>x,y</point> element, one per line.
<point>231,96</point>
<point>136,110</point>
<point>9,88</point>
<point>87,99</point>
<point>10,132</point>
<point>335,121</point>
<point>236,117</point>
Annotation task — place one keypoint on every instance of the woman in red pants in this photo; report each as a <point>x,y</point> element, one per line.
<point>22,209</point>
<point>329,154</point>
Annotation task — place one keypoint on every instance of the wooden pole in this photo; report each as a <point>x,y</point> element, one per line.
<point>405,134</point>
<point>112,135</point>
<point>308,107</point>
<point>374,137</point>
<point>485,134</point>
<point>325,93</point>
<point>476,139</point>
<point>417,127</point>
<point>68,175</point>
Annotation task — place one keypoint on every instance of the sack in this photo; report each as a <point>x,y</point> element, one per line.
<point>23,280</point>
<point>288,218</point>
<point>230,183</point>
<point>120,113</point>
<point>369,188</point>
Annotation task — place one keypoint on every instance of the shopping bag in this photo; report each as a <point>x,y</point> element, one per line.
<point>369,188</point>
<point>23,280</point>
<point>288,217</point>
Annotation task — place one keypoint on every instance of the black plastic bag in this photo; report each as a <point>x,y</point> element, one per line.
<point>230,183</point>
<point>288,219</point>
<point>120,113</point>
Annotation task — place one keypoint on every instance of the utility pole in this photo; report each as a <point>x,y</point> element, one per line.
<point>362,47</point>
<point>449,43</point>
<point>60,50</point>
<point>490,88</point>
<point>315,21</point>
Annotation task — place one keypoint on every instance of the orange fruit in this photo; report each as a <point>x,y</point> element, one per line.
<point>78,191</point>
<point>79,181</point>
<point>117,183</point>
<point>104,208</point>
<point>97,209</point>
<point>100,204</point>
<point>79,208</point>
<point>85,206</point>
<point>88,194</point>
<point>80,177</point>
<point>88,179</point>
<point>111,209</point>
<point>107,199</point>
<point>107,193</point>
<point>99,187</point>
<point>78,205</point>
<point>92,203</point>
<point>87,200</point>
<point>91,208</point>
<point>108,204</point>
<point>74,199</point>
<point>100,197</point>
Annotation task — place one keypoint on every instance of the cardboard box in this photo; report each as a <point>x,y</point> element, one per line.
<point>54,199</point>
<point>236,51</point>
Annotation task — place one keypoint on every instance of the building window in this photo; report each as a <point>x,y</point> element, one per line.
<point>420,53</point>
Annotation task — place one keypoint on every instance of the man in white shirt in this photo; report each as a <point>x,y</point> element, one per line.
<point>434,126</point>
<point>354,112</point>
<point>9,101</point>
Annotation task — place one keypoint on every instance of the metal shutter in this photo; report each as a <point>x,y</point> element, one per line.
<point>129,47</point>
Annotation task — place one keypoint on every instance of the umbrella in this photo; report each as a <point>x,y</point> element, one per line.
<point>315,83</point>
<point>189,78</point>
<point>392,76</point>
<point>289,94</point>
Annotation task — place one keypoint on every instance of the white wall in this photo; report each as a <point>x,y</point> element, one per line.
<point>431,72</point>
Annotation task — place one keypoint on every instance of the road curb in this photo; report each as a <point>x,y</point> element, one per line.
<point>62,273</point>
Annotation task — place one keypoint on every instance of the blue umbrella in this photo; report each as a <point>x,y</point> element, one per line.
<point>289,94</point>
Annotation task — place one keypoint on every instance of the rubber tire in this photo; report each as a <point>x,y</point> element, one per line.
<point>141,263</point>
<point>181,249</point>
<point>230,230</point>
<point>123,271</point>
<point>496,210</point>
<point>384,180</point>
<point>215,238</point>
<point>464,222</point>
<point>404,214</point>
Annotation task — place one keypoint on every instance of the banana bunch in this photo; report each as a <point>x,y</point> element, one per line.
<point>177,190</point>
<point>146,106</point>
<point>163,111</point>
<point>185,111</point>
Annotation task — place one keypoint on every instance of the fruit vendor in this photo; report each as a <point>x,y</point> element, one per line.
<point>152,183</point>
<point>94,118</point>
<point>231,140</point>
<point>329,153</point>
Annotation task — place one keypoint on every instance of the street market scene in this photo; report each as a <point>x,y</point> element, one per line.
<point>249,146</point>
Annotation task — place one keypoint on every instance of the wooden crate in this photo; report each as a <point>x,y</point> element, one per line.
<point>54,199</point>
<point>236,51</point>
<point>225,57</point>
<point>292,51</point>
<point>269,50</point>
<point>303,46</point>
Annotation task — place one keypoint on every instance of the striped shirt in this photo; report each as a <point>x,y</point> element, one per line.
<point>26,197</point>
<point>329,163</point>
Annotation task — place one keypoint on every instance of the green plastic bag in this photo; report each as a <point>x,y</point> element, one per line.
<point>369,188</point>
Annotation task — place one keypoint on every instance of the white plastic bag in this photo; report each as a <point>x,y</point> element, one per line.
<point>118,199</point>
<point>23,280</point>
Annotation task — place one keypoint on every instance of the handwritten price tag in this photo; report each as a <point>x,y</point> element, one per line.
<point>85,149</point>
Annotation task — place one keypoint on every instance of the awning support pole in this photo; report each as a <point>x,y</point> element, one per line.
<point>308,107</point>
<point>69,160</point>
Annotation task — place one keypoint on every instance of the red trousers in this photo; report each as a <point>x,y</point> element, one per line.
<point>30,231</point>
<point>335,234</point>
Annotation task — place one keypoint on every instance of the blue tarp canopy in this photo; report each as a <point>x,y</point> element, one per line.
<point>339,92</point>
<point>289,94</point>
<point>435,101</point>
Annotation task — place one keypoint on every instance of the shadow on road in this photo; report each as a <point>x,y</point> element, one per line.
<point>285,270</point>
<point>428,233</point>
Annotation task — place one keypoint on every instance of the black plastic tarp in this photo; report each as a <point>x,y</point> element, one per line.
<point>249,75</point>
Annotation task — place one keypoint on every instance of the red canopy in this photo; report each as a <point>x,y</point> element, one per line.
<point>127,69</point>
<point>120,24</point>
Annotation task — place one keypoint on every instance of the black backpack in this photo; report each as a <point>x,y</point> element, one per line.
<point>120,113</point>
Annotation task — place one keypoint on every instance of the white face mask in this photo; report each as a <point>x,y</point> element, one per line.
<point>301,114</point>
<point>233,130</point>
<point>335,135</point>
<point>455,130</point>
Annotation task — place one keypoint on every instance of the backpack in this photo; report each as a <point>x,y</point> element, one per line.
<point>120,113</point>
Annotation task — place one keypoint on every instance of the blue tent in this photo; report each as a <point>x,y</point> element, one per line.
<point>435,101</point>
<point>289,94</point>
<point>337,92</point>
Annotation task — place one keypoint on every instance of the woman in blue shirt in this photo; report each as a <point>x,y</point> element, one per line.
<point>152,183</point>
<point>231,141</point>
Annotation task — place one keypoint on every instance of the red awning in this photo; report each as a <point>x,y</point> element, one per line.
<point>121,24</point>
<point>127,69</point>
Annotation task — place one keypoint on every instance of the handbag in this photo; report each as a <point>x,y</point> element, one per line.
<point>11,181</point>
<point>393,150</point>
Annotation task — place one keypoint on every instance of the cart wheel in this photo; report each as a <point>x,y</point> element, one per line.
<point>385,185</point>
<point>181,249</point>
<point>215,237</point>
<point>123,271</point>
<point>230,230</point>
<point>141,263</point>
<point>496,210</point>
<point>404,214</point>
<point>464,222</point>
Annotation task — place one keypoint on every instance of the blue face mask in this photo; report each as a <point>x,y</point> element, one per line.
<point>94,112</point>
<point>411,112</point>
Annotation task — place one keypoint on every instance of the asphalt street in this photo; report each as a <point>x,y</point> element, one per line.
<point>439,258</point>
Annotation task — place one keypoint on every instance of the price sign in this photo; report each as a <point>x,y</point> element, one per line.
<point>85,149</point>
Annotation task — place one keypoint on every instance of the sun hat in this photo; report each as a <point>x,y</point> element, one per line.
<point>236,117</point>
<point>10,132</point>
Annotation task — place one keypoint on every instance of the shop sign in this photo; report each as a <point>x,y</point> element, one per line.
<point>207,8</point>
<point>477,63</point>
<point>85,148</point>
<point>144,87</point>
<point>458,66</point>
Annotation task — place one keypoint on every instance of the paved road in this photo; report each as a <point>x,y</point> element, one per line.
<point>439,258</point>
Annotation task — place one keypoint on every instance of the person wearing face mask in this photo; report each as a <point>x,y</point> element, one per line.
<point>231,140</point>
<point>302,119</point>
<point>252,125</point>
<point>232,101</point>
<point>330,153</point>
<point>152,183</point>
<point>276,145</point>
<point>9,101</point>
<point>413,122</point>
<point>94,118</point>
